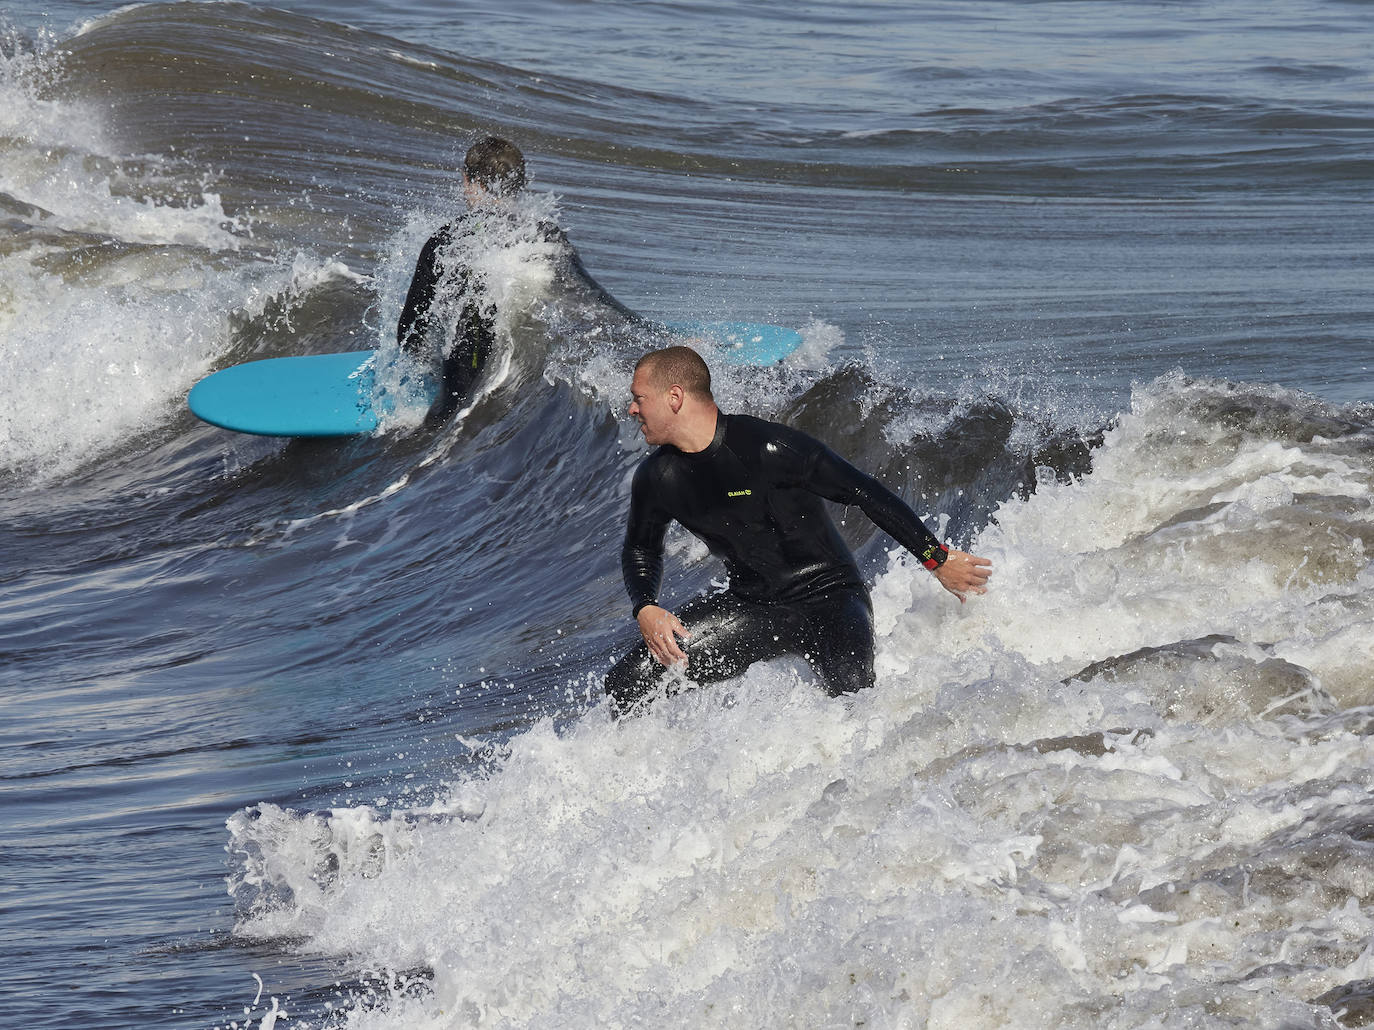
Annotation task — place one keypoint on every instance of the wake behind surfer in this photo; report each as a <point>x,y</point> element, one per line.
<point>753,491</point>
<point>448,320</point>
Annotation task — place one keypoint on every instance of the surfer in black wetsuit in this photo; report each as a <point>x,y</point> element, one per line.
<point>493,175</point>
<point>493,172</point>
<point>754,492</point>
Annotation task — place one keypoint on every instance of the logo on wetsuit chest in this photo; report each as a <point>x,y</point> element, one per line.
<point>739,493</point>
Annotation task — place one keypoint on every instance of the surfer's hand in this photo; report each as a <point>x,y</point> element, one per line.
<point>963,574</point>
<point>661,630</point>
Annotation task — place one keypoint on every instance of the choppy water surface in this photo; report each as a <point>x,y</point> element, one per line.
<point>1088,283</point>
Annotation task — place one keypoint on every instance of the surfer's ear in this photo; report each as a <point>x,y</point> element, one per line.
<point>676,395</point>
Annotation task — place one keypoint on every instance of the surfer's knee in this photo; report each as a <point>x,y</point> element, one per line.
<point>848,674</point>
<point>844,647</point>
<point>630,682</point>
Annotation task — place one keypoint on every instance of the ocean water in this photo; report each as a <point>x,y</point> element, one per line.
<point>309,734</point>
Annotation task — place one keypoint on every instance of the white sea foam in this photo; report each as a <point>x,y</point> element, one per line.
<point>59,158</point>
<point>90,360</point>
<point>120,284</point>
<point>1006,831</point>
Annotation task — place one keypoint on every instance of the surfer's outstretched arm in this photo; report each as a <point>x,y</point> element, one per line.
<point>837,480</point>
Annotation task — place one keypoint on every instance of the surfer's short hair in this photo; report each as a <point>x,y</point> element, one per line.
<point>678,366</point>
<point>496,165</point>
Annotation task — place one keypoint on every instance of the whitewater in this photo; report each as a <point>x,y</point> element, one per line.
<point>312,734</point>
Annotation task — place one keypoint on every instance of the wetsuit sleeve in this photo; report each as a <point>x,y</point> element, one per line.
<point>413,324</point>
<point>835,479</point>
<point>641,559</point>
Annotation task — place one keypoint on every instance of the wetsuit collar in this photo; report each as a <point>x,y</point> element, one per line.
<point>716,441</point>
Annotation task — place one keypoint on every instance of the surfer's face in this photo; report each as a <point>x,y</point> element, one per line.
<point>474,193</point>
<point>651,407</point>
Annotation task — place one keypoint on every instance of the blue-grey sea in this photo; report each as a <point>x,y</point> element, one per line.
<point>309,733</point>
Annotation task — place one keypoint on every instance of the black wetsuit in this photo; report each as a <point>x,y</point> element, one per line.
<point>464,361</point>
<point>436,271</point>
<point>756,497</point>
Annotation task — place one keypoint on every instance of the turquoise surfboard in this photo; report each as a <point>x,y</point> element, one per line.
<point>742,343</point>
<point>332,394</point>
<point>312,395</point>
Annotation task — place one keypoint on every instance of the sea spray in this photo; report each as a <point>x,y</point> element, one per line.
<point>1091,798</point>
